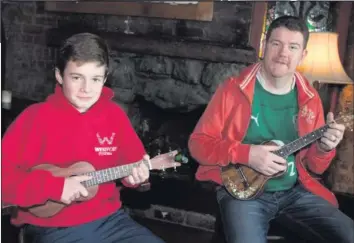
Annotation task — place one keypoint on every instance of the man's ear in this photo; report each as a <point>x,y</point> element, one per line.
<point>58,76</point>
<point>304,54</point>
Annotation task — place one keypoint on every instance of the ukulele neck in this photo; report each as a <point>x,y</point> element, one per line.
<point>111,174</point>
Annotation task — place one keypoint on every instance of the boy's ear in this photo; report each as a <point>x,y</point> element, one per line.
<point>58,76</point>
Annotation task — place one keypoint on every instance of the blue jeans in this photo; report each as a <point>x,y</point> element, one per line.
<point>310,216</point>
<point>118,227</point>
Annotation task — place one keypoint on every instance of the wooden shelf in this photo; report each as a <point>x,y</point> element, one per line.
<point>201,11</point>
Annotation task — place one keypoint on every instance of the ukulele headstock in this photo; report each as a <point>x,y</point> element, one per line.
<point>171,159</point>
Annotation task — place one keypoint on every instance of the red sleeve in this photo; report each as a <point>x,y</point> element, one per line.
<point>206,143</point>
<point>21,146</point>
<point>317,160</point>
<point>131,149</point>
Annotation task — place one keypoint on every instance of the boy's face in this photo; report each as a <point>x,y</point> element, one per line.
<point>82,83</point>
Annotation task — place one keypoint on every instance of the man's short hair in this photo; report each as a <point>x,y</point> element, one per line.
<point>291,23</point>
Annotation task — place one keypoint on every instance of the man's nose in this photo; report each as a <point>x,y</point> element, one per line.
<point>284,51</point>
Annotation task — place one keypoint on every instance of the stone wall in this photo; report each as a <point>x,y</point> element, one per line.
<point>147,86</point>
<point>341,172</point>
<point>163,96</point>
<point>167,82</point>
<point>349,56</point>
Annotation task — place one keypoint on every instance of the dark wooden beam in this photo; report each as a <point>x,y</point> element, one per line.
<point>342,26</point>
<point>201,11</point>
<point>199,50</point>
<point>257,21</point>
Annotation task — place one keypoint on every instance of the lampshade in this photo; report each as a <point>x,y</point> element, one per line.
<point>322,62</point>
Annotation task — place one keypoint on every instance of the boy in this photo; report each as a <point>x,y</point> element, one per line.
<point>76,123</point>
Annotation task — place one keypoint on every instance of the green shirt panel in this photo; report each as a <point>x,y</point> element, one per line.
<point>274,117</point>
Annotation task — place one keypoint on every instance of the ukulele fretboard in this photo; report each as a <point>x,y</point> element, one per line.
<point>111,174</point>
<point>299,143</point>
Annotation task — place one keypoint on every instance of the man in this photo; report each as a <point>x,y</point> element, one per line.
<point>271,101</point>
<point>79,122</point>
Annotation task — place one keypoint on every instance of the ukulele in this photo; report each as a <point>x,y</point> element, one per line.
<point>7,210</point>
<point>245,183</point>
<point>97,177</point>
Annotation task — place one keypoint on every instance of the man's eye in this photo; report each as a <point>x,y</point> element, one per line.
<point>76,78</point>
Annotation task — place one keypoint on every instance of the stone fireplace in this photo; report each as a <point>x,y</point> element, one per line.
<point>164,96</point>
<point>163,72</point>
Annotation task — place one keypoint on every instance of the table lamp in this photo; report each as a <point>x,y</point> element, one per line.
<point>322,63</point>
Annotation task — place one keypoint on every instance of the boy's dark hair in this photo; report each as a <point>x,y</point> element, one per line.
<point>291,23</point>
<point>83,47</point>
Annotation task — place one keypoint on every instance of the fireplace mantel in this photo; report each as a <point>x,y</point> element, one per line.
<point>192,10</point>
<point>170,47</point>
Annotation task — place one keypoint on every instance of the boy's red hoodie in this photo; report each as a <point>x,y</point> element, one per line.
<point>54,132</point>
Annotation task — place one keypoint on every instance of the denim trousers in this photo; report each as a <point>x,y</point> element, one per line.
<point>308,215</point>
<point>118,227</point>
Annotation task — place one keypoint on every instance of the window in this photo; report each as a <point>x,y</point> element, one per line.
<point>318,15</point>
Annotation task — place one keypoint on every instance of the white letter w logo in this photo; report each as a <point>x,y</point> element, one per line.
<point>105,139</point>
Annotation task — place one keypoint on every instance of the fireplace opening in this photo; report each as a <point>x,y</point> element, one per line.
<point>162,130</point>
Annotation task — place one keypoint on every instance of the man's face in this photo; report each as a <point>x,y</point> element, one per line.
<point>82,83</point>
<point>284,51</point>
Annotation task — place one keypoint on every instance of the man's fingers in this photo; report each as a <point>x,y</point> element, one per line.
<point>330,117</point>
<point>337,127</point>
<point>327,142</point>
<point>330,136</point>
<point>277,159</point>
<point>278,167</point>
<point>272,147</point>
<point>270,172</point>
